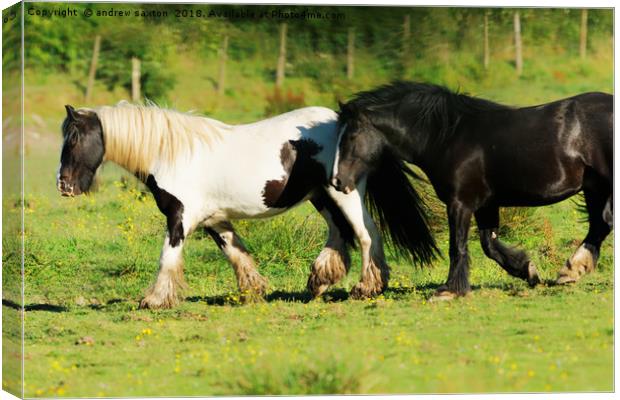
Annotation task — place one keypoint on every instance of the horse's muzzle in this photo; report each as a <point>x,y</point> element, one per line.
<point>339,186</point>
<point>66,189</point>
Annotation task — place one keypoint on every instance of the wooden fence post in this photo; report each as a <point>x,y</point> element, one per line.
<point>93,69</point>
<point>281,56</point>
<point>486,40</point>
<point>518,45</point>
<point>583,34</point>
<point>222,74</point>
<point>135,79</point>
<point>351,53</point>
<point>406,41</point>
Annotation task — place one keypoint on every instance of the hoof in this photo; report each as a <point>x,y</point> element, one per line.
<point>532,275</point>
<point>565,280</point>
<point>317,290</point>
<point>581,263</point>
<point>316,286</point>
<point>444,294</point>
<point>364,291</point>
<point>570,273</point>
<point>330,266</point>
<point>154,303</point>
<point>252,297</point>
<point>253,287</point>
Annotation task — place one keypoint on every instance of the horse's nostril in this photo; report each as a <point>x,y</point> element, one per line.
<point>336,182</point>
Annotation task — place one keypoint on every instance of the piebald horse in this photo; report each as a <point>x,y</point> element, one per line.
<point>205,173</point>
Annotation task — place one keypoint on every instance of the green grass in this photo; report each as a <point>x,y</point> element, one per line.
<point>89,259</point>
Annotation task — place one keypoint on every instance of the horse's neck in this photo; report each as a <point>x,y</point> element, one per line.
<point>140,152</point>
<point>408,145</point>
<point>125,152</point>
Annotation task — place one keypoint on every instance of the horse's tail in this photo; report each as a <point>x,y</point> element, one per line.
<point>400,211</point>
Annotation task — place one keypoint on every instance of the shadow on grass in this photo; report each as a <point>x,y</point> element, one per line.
<point>333,296</point>
<point>34,307</point>
<point>108,303</point>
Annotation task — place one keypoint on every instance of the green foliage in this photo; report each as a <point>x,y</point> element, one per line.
<point>90,259</point>
<point>152,45</point>
<point>446,43</point>
<point>11,38</point>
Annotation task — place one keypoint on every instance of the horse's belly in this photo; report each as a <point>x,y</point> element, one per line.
<point>535,182</point>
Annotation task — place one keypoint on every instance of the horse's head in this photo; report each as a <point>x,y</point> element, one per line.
<point>360,145</point>
<point>82,151</point>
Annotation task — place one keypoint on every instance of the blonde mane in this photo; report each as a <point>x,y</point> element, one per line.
<point>136,136</point>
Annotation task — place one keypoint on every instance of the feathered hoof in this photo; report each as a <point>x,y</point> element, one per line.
<point>565,280</point>
<point>254,289</point>
<point>532,275</point>
<point>316,286</point>
<point>153,302</point>
<point>166,292</point>
<point>252,297</point>
<point>363,290</point>
<point>581,263</point>
<point>569,274</point>
<point>328,268</point>
<point>443,293</point>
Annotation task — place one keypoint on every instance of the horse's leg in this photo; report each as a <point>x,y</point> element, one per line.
<point>165,292</point>
<point>600,216</point>
<point>375,271</point>
<point>516,262</point>
<point>251,283</point>
<point>334,261</point>
<point>459,218</point>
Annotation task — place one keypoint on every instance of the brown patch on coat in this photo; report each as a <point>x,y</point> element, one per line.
<point>303,174</point>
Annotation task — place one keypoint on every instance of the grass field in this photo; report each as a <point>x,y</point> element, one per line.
<point>90,258</point>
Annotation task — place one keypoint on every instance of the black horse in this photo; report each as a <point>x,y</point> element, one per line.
<point>480,156</point>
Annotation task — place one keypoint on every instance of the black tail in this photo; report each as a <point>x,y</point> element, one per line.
<point>400,211</point>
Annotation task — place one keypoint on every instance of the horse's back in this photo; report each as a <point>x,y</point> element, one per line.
<point>539,155</point>
<point>306,117</point>
<point>263,168</point>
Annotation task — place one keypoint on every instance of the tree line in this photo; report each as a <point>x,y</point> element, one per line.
<point>132,52</point>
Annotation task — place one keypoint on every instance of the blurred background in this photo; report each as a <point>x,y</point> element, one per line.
<point>241,69</point>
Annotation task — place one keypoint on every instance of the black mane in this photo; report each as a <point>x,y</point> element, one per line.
<point>427,107</point>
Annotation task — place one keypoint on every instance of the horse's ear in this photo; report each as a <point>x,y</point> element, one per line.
<point>71,113</point>
<point>341,105</point>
